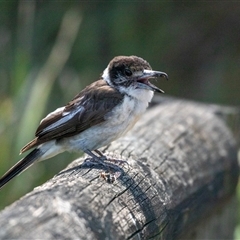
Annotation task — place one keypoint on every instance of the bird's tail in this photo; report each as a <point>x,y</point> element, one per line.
<point>20,166</point>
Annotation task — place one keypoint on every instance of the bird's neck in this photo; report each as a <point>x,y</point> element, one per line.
<point>141,95</point>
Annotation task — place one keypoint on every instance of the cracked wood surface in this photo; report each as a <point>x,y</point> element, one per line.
<point>182,167</point>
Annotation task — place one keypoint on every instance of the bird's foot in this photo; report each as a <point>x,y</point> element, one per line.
<point>94,161</point>
<point>111,166</point>
<point>119,162</point>
<point>103,159</point>
<point>110,172</point>
<point>107,162</point>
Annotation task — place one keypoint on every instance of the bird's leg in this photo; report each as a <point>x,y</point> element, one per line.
<point>100,154</point>
<point>117,161</point>
<point>113,171</point>
<point>102,159</point>
<point>113,160</point>
<point>96,158</point>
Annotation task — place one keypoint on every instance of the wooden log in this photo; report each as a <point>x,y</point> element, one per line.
<point>182,171</point>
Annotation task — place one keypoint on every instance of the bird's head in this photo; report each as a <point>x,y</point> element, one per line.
<point>132,72</point>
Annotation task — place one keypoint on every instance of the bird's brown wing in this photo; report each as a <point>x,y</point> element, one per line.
<point>88,108</point>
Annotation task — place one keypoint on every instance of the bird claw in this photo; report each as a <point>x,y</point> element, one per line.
<point>89,162</point>
<point>113,171</point>
<point>101,159</point>
<point>112,165</point>
<point>119,162</point>
<point>104,161</point>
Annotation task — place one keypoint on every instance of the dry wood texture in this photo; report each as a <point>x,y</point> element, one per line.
<point>182,169</point>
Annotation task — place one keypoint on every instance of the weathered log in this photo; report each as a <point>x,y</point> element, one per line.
<point>182,175</point>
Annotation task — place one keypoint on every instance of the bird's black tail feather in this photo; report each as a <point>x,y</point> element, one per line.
<point>20,166</point>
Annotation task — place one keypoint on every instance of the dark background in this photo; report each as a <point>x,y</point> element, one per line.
<point>50,50</point>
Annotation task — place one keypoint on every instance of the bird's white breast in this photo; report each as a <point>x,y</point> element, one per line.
<point>128,112</point>
<point>117,122</point>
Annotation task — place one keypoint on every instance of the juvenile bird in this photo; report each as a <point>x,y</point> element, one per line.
<point>102,112</point>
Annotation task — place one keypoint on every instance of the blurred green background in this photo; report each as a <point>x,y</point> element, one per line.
<point>50,50</point>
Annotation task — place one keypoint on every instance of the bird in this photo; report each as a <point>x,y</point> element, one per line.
<point>98,115</point>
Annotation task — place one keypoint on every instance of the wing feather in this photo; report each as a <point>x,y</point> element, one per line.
<point>88,108</point>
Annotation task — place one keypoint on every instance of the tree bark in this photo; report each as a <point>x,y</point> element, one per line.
<point>182,169</point>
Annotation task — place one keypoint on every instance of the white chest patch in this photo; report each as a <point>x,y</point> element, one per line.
<point>124,116</point>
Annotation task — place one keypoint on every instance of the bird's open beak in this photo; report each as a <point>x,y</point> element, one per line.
<point>143,81</point>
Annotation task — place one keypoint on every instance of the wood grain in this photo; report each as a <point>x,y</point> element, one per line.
<point>182,169</point>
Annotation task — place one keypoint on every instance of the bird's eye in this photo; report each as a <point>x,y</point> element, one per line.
<point>128,72</point>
